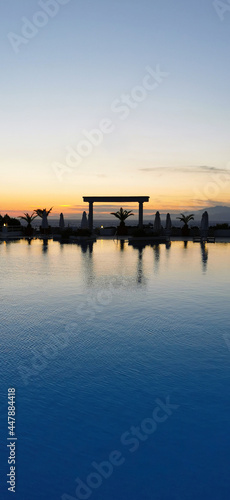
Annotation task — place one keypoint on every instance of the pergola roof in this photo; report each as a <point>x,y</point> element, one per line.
<point>130,199</point>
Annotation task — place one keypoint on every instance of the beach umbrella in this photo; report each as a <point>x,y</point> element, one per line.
<point>168,225</point>
<point>61,221</point>
<point>157,223</point>
<point>45,224</point>
<point>84,221</point>
<point>204,224</point>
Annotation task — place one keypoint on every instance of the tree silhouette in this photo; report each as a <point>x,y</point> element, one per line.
<point>186,219</point>
<point>28,218</point>
<point>122,215</point>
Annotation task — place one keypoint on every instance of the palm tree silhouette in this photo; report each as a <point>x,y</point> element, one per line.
<point>29,219</point>
<point>186,219</point>
<point>122,215</point>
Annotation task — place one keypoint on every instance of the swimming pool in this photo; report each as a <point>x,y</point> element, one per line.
<point>120,360</point>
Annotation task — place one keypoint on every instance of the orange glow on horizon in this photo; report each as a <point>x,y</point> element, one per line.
<point>64,199</point>
<point>75,211</point>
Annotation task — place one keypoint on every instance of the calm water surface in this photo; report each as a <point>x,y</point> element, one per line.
<point>90,339</point>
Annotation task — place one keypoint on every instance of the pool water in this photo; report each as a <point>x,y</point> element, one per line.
<point>120,358</point>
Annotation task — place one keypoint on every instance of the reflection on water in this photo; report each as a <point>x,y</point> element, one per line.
<point>140,266</point>
<point>45,245</point>
<point>87,249</point>
<point>156,254</point>
<point>122,245</point>
<point>87,262</point>
<point>145,323</point>
<point>204,256</point>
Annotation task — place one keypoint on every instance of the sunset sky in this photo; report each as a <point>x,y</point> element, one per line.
<point>91,66</point>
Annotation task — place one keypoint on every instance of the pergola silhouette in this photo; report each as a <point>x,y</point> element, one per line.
<point>115,199</point>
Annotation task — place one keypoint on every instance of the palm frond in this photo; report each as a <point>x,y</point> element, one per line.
<point>122,214</point>
<point>186,218</point>
<point>39,211</point>
<point>115,214</point>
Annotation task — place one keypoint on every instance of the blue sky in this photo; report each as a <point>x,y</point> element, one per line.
<point>66,77</point>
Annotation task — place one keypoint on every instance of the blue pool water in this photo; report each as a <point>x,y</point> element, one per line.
<point>96,342</point>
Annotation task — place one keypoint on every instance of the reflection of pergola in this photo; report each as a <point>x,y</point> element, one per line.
<point>115,199</point>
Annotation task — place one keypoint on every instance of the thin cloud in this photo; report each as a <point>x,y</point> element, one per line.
<point>185,170</point>
<point>211,203</point>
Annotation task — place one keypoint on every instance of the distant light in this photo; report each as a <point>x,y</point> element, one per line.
<point>102,227</point>
<point>4,225</point>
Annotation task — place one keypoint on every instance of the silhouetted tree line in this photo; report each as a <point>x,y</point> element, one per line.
<point>10,221</point>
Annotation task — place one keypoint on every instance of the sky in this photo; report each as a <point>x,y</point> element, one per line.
<point>122,97</point>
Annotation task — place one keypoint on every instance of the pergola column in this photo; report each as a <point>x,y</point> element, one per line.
<point>91,215</point>
<point>140,214</point>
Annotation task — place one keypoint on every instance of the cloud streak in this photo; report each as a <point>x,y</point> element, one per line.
<point>200,169</point>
